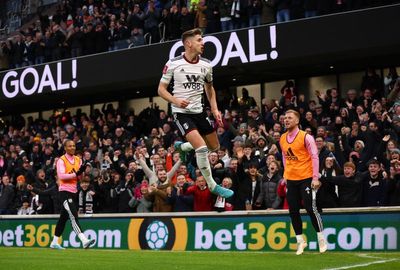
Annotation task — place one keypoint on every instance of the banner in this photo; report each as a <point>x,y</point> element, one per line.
<point>344,232</point>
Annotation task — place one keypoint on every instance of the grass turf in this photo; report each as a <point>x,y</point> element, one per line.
<point>77,259</point>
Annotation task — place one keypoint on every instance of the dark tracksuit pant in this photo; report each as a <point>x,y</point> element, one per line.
<point>68,211</point>
<point>299,192</point>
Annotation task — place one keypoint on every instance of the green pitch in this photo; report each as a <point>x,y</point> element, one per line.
<point>78,259</point>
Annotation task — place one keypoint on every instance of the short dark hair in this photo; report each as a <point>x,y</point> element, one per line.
<point>296,113</point>
<point>191,33</point>
<point>253,164</point>
<point>373,161</point>
<point>67,141</point>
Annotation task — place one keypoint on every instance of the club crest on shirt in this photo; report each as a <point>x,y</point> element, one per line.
<point>70,200</point>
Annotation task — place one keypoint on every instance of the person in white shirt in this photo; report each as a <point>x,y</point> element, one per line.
<point>192,76</point>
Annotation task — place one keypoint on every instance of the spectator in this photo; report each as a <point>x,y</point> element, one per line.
<point>323,152</point>
<point>394,184</point>
<point>255,11</point>
<point>158,193</point>
<point>221,203</point>
<point>202,196</point>
<point>268,197</point>
<point>86,197</point>
<point>326,196</point>
<point>140,202</point>
<point>212,17</point>
<point>246,102</point>
<point>112,36</point>
<point>372,82</point>
<point>267,12</point>
<point>200,20</point>
<point>51,191</point>
<point>137,38</point>
<point>186,19</point>
<point>283,10</point>
<point>30,51</point>
<point>310,8</point>
<point>151,16</point>
<point>89,38</point>
<point>7,196</point>
<point>176,196</point>
<point>249,184</point>
<point>225,7</point>
<point>4,56</point>
<point>18,48</point>
<point>374,185</point>
<point>21,193</point>
<point>41,185</point>
<point>75,40</point>
<point>25,209</point>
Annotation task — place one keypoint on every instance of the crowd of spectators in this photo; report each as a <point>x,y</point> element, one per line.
<point>133,166</point>
<point>83,27</point>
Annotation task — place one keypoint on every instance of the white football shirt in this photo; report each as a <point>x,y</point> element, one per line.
<point>189,79</point>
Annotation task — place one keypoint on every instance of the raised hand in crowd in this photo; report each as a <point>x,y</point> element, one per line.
<point>239,152</point>
<point>386,138</point>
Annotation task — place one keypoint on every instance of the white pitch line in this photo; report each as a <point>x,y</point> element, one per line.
<point>361,265</point>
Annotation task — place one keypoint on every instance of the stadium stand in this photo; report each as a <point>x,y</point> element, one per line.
<point>356,132</point>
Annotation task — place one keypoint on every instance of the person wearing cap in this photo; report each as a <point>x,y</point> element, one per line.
<point>256,120</point>
<point>301,172</point>
<point>193,76</point>
<point>69,169</point>
<point>320,115</point>
<point>240,131</point>
<point>139,201</point>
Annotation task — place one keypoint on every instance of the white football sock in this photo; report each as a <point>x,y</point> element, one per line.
<point>55,240</point>
<point>82,237</point>
<point>300,238</point>
<point>204,166</point>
